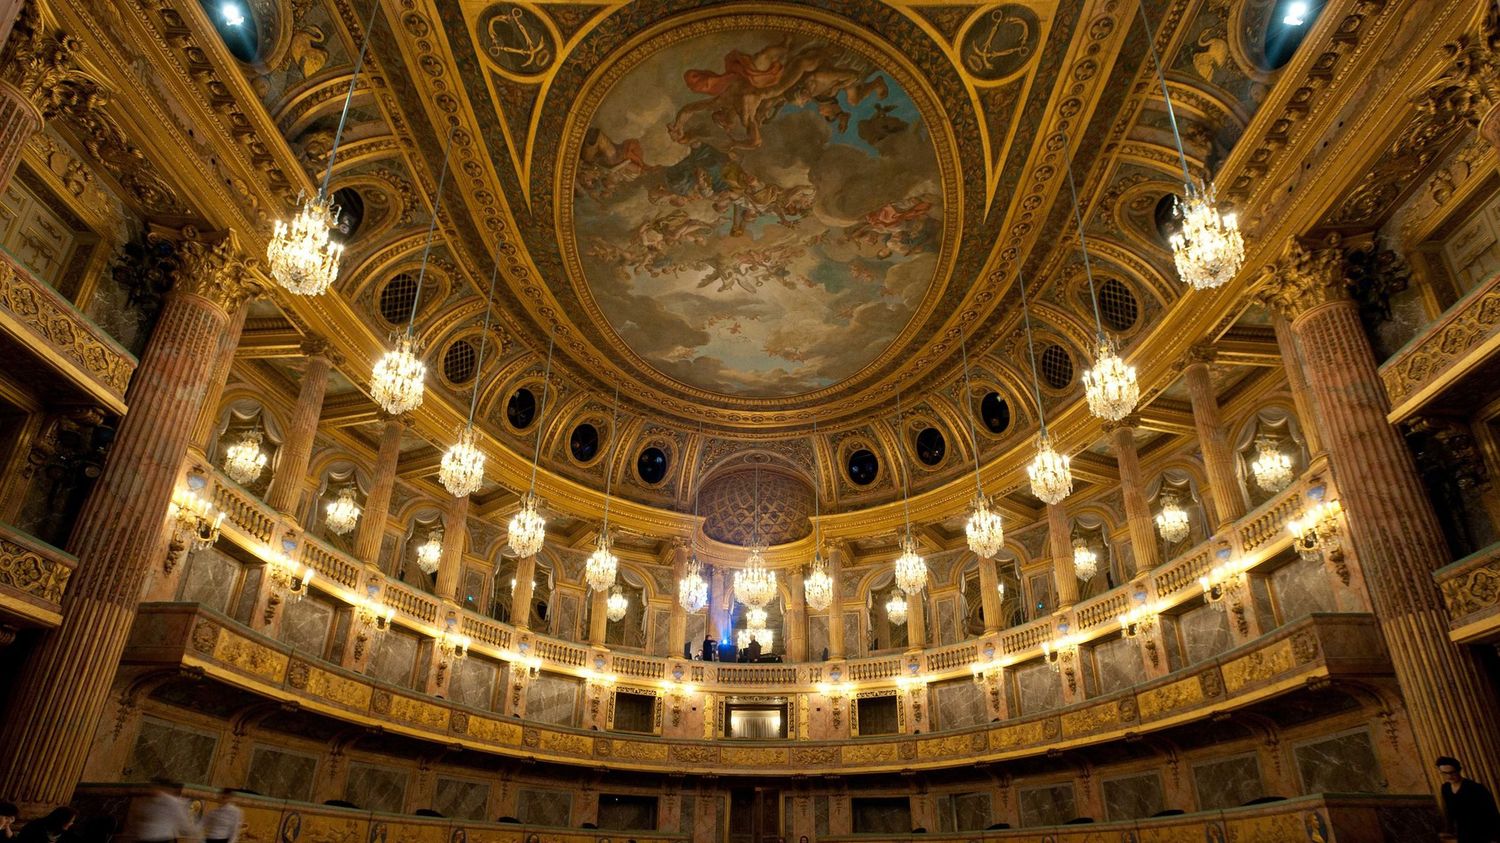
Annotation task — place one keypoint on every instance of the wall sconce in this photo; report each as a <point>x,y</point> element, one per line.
<point>676,693</point>
<point>1061,655</point>
<point>524,671</point>
<point>991,676</point>
<point>1139,623</point>
<point>288,578</point>
<point>195,521</point>
<point>451,647</point>
<point>837,693</point>
<point>371,617</point>
<point>1223,586</point>
<point>1316,534</point>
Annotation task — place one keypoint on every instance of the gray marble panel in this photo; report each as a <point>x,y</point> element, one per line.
<point>854,640</point>
<point>1038,687</point>
<point>958,705</point>
<point>1341,764</point>
<point>1172,638</point>
<point>1228,782</point>
<point>375,788</point>
<point>281,775</point>
<point>688,811</point>
<point>244,604</point>
<point>1118,664</point>
<point>1049,805</point>
<point>553,699</point>
<point>618,812</point>
<point>821,809</point>
<point>947,624</point>
<point>697,627</point>
<point>166,750</point>
<point>971,811</point>
<point>210,579</point>
<point>305,624</point>
<point>817,636</point>
<point>462,799</point>
<point>473,683</point>
<point>565,617</point>
<point>544,807</point>
<point>1132,797</point>
<point>661,624</point>
<point>394,658</point>
<point>472,592</point>
<point>1261,603</point>
<point>881,815</point>
<point>1301,588</point>
<point>1205,633</point>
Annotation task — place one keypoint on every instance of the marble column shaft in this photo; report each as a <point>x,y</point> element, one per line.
<point>716,586</point>
<point>1218,460</point>
<point>916,620</point>
<point>1060,539</point>
<point>598,616</point>
<point>989,596</point>
<point>796,616</point>
<point>837,556</point>
<point>450,566</point>
<point>296,448</point>
<point>520,595</point>
<point>208,414</point>
<point>1137,511</point>
<point>1296,383</point>
<point>378,502</point>
<point>120,533</point>
<point>677,620</point>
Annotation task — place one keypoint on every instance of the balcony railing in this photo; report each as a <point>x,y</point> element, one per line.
<point>1448,349</point>
<point>33,576</point>
<point>1471,591</point>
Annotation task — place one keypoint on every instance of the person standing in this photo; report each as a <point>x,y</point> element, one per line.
<point>708,648</point>
<point>1467,805</point>
<point>163,816</point>
<point>48,829</point>
<point>8,814</point>
<point>752,650</point>
<point>222,824</point>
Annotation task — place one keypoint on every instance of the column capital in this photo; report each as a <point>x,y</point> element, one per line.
<point>1468,90</point>
<point>1202,352</point>
<point>1130,422</point>
<point>213,266</point>
<point>1307,274</point>
<point>40,62</point>
<point>315,346</point>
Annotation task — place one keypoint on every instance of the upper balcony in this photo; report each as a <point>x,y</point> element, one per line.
<point>1452,351</point>
<point>33,576</point>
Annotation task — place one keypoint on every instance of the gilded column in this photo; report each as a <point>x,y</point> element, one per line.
<point>520,594</point>
<point>120,532</point>
<point>796,616</point>
<point>598,616</point>
<point>1060,541</point>
<point>677,623</point>
<point>455,529</point>
<point>1137,511</point>
<point>1388,517</point>
<point>838,556</point>
<point>296,449</point>
<point>1218,460</point>
<point>916,621</point>
<point>989,596</point>
<point>378,503</point>
<point>712,617</point>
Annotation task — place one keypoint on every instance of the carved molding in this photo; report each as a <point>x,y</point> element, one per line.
<point>1467,328</point>
<point>51,318</point>
<point>31,572</point>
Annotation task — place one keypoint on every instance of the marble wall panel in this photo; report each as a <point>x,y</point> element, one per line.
<point>1038,688</point>
<point>376,788</point>
<point>1132,797</point>
<point>170,751</point>
<point>553,699</point>
<point>473,683</point>
<point>473,588</point>
<point>1049,805</point>
<point>1171,637</point>
<point>697,627</point>
<point>821,809</point>
<point>305,624</point>
<point>619,812</point>
<point>281,774</point>
<point>881,815</point>
<point>963,812</point>
<point>394,658</point>
<point>1261,603</point>
<point>958,705</point>
<point>244,604</point>
<point>544,807</point>
<point>1205,633</point>
<point>685,816</point>
<point>854,639</point>
<point>1227,782</point>
<point>462,799</point>
<point>1117,663</point>
<point>817,636</point>
<point>1301,588</point>
<point>565,617</point>
<point>948,632</point>
<point>1341,764</point>
<point>661,622</point>
<point>210,579</point>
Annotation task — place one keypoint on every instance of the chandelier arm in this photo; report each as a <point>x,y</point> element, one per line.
<point>1083,242</point>
<point>437,204</point>
<point>614,433</point>
<point>1036,384</point>
<point>1187,176</point>
<point>969,402</point>
<point>755,519</point>
<point>536,451</point>
<point>359,63</point>
<point>489,306</point>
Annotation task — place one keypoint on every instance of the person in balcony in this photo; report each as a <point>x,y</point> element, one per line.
<point>708,648</point>
<point>1467,805</point>
<point>752,650</point>
<point>8,814</point>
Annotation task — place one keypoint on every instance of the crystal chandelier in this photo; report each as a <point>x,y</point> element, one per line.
<point>602,564</point>
<point>1110,386</point>
<point>756,618</point>
<point>396,383</point>
<point>692,590</point>
<point>430,552</point>
<point>755,584</point>
<point>244,460</point>
<point>763,636</point>
<point>911,569</point>
<point>895,608</point>
<point>1085,560</point>
<point>1051,477</point>
<point>1271,469</point>
<point>1172,520</point>
<point>618,604</point>
<point>527,530</point>
<point>817,586</point>
<point>342,513</point>
<point>462,470</point>
<point>984,530</point>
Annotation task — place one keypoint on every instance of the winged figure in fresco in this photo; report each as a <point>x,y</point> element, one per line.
<point>605,166</point>
<point>904,227</point>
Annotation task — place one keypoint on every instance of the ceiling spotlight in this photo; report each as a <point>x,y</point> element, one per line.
<point>1296,14</point>
<point>233,15</point>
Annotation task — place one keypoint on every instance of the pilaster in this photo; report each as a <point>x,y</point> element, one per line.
<point>989,596</point>
<point>677,621</point>
<point>838,556</point>
<point>520,595</point>
<point>450,566</point>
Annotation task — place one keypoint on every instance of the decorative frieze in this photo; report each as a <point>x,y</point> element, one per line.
<point>69,338</point>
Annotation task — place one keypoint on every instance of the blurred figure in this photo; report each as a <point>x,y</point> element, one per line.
<point>8,814</point>
<point>163,816</point>
<point>222,824</point>
<point>48,829</point>
<point>1467,805</point>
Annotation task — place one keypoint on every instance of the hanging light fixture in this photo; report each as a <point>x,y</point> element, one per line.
<point>602,563</point>
<point>763,636</point>
<point>462,470</point>
<point>1271,469</point>
<point>1050,474</point>
<point>985,530</point>
<point>244,460</point>
<point>302,256</point>
<point>895,608</point>
<point>1110,386</point>
<point>755,584</point>
<point>430,552</point>
<point>817,586</point>
<point>342,513</point>
<point>1085,560</point>
<point>1208,249</point>
<point>692,589</point>
<point>528,529</point>
<point>618,604</point>
<point>396,383</point>
<point>911,569</point>
<point>756,618</point>
<point>1172,520</point>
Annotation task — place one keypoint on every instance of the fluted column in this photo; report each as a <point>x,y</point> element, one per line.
<point>1396,537</point>
<point>450,567</point>
<point>378,502</point>
<point>712,616</point>
<point>598,616</point>
<point>33,61</point>
<point>916,621</point>
<point>520,595</point>
<point>837,558</point>
<point>1218,460</point>
<point>296,448</point>
<point>796,616</point>
<point>120,532</point>
<point>1296,383</point>
<point>1060,540</point>
<point>989,596</point>
<point>677,621</point>
<point>208,414</point>
<point>1137,511</point>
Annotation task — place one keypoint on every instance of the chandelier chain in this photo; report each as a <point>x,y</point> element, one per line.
<point>969,402</point>
<point>541,413</point>
<point>614,431</point>
<point>1187,176</point>
<point>437,204</point>
<point>359,63</point>
<point>817,510</point>
<point>489,306</point>
<point>905,485</point>
<point>1036,385</point>
<point>1083,244</point>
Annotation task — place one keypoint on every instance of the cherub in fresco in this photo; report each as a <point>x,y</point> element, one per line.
<point>900,227</point>
<point>728,92</point>
<point>750,198</point>
<point>750,269</point>
<point>605,166</point>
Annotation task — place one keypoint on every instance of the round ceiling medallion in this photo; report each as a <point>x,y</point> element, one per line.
<point>755,204</point>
